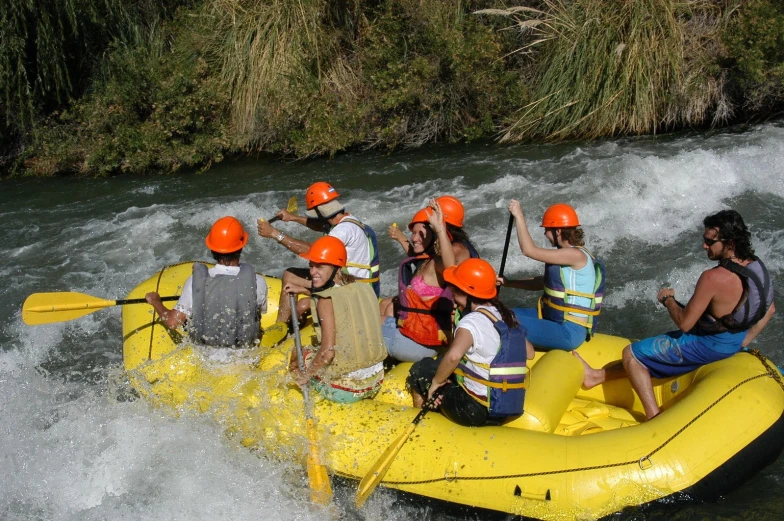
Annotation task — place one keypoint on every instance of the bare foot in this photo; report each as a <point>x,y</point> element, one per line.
<point>593,377</point>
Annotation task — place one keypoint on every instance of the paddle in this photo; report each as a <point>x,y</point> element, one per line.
<point>320,489</point>
<point>46,308</point>
<point>291,208</point>
<point>382,464</point>
<point>506,245</point>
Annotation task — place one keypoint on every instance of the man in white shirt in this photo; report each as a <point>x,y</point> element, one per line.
<point>223,304</point>
<point>324,213</point>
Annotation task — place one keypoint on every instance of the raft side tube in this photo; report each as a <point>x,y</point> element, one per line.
<point>553,383</point>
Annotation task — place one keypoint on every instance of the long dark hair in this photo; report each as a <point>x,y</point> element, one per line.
<point>459,235</point>
<point>509,318</point>
<point>732,230</point>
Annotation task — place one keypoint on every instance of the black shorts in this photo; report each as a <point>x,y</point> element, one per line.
<point>456,404</point>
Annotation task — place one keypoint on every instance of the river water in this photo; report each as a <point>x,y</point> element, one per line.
<point>75,446</point>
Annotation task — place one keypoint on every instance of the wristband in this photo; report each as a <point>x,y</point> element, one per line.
<point>280,237</point>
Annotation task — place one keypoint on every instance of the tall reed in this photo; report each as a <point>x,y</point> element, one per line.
<point>614,67</point>
<point>266,51</point>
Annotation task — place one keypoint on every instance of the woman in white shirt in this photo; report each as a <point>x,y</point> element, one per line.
<point>463,379</point>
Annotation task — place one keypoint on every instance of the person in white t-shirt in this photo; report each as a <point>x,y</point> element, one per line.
<point>324,213</point>
<point>222,305</point>
<point>460,380</point>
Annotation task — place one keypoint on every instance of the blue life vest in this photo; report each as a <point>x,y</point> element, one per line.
<point>506,382</point>
<point>374,262</point>
<point>554,306</point>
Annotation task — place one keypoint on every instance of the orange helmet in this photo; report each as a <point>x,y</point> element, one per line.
<point>420,217</point>
<point>319,193</point>
<point>226,236</point>
<point>454,213</point>
<point>327,250</point>
<point>560,216</point>
<point>476,277</point>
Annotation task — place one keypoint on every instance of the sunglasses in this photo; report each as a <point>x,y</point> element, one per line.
<point>709,242</point>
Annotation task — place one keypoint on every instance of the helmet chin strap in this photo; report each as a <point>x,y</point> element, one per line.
<point>556,234</point>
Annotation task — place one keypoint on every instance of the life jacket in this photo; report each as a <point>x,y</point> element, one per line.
<point>225,309</point>
<point>553,305</point>
<point>426,322</point>
<point>506,382</point>
<point>358,340</point>
<point>754,302</point>
<point>373,249</point>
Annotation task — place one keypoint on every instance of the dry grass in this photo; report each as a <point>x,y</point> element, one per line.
<point>617,67</point>
<point>264,49</point>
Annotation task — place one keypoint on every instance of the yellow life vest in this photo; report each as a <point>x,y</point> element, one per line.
<point>358,340</point>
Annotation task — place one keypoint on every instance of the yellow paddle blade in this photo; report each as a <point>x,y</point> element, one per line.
<point>318,479</point>
<point>46,308</point>
<point>292,206</point>
<point>380,467</point>
<point>274,334</point>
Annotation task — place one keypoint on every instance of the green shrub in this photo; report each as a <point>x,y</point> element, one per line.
<point>434,72</point>
<point>754,41</point>
<point>156,108</point>
<point>48,51</point>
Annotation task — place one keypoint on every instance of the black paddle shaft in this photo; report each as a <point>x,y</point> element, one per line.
<point>140,300</point>
<point>506,245</point>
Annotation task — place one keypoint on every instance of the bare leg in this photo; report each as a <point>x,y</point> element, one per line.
<point>641,382</point>
<point>284,308</point>
<point>303,306</point>
<point>386,308</point>
<point>594,377</point>
<point>418,399</point>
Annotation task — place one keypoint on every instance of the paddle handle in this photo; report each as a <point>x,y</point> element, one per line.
<point>506,245</point>
<point>140,300</point>
<point>298,343</point>
<point>274,219</point>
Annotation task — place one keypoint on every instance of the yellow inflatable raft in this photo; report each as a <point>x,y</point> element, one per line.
<point>573,454</point>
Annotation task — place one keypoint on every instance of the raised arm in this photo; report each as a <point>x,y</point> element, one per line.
<point>571,257</point>
<point>436,220</point>
<point>396,234</point>
<point>267,231</point>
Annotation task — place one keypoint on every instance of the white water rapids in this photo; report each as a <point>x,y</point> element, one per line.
<point>74,447</point>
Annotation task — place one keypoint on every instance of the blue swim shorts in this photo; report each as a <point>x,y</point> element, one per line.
<point>676,352</point>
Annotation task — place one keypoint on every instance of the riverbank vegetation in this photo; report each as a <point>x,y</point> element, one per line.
<point>99,87</point>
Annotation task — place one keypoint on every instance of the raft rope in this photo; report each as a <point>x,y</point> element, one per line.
<point>155,314</point>
<point>153,322</point>
<point>773,373</point>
